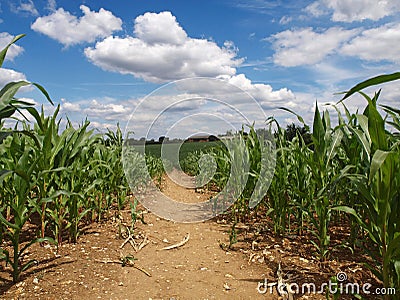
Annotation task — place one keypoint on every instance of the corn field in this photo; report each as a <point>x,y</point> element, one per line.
<point>61,177</point>
<point>342,174</point>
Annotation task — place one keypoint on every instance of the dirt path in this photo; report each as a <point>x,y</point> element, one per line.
<point>200,269</point>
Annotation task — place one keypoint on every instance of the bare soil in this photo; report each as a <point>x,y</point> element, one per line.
<point>202,268</point>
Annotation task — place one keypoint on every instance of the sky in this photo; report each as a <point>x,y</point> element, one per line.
<point>184,67</point>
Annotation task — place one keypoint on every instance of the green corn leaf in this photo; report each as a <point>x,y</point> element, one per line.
<point>7,223</point>
<point>318,134</point>
<point>22,174</point>
<point>335,142</point>
<point>348,115</point>
<point>363,122</point>
<point>395,125</point>
<point>397,269</point>
<point>59,193</point>
<point>21,103</point>
<point>362,139</point>
<point>9,106</point>
<point>370,199</point>
<point>4,255</point>
<point>301,120</point>
<point>84,212</point>
<point>389,108</point>
<point>37,240</point>
<point>4,51</point>
<point>8,92</point>
<point>353,212</point>
<point>96,182</point>
<point>371,82</point>
<point>7,112</point>
<point>376,128</point>
<point>29,264</point>
<point>393,247</point>
<point>4,174</point>
<point>44,92</point>
<point>326,120</point>
<point>59,169</point>
<point>34,113</point>
<point>376,163</point>
<point>29,134</point>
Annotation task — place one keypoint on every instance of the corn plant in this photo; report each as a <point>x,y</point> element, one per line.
<point>261,152</point>
<point>353,159</point>
<point>324,174</point>
<point>20,174</point>
<point>276,201</point>
<point>134,164</point>
<point>80,147</point>
<point>47,152</point>
<point>325,142</point>
<point>117,182</point>
<point>232,169</point>
<point>16,207</point>
<point>380,186</point>
<point>190,163</point>
<point>155,168</point>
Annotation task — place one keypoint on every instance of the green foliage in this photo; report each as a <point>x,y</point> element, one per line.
<point>19,176</point>
<point>60,175</point>
<point>190,164</point>
<point>351,168</point>
<point>378,183</point>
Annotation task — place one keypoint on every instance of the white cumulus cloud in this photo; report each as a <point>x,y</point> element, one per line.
<point>109,111</point>
<point>263,93</point>
<point>376,44</point>
<point>8,75</point>
<point>70,30</point>
<point>159,28</point>
<point>354,10</point>
<point>161,51</point>
<point>67,106</point>
<point>305,46</point>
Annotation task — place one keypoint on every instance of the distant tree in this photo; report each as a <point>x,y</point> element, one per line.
<point>293,130</point>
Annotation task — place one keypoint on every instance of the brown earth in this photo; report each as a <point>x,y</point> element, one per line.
<point>202,268</point>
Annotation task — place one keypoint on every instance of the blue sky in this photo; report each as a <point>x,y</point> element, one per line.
<point>99,59</point>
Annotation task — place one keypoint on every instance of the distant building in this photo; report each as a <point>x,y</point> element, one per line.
<point>202,138</point>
